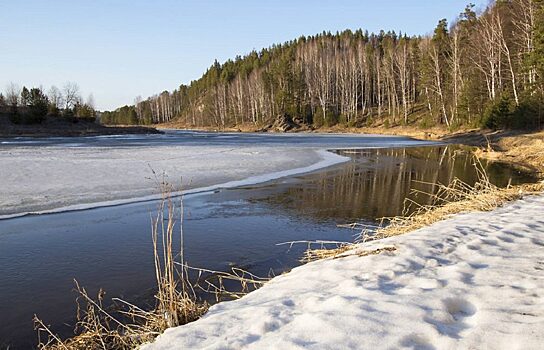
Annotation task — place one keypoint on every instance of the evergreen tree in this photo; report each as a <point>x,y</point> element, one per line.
<point>38,103</point>
<point>25,96</point>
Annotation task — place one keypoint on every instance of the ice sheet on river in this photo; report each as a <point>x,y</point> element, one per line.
<point>56,174</point>
<point>37,179</point>
<point>475,281</point>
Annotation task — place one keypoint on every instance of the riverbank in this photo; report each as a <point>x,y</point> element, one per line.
<point>472,281</point>
<point>67,127</point>
<point>518,147</point>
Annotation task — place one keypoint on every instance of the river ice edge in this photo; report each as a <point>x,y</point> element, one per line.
<point>303,161</point>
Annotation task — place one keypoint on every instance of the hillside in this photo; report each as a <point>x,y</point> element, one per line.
<point>484,70</point>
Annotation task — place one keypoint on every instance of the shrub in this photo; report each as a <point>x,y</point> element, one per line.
<point>503,113</point>
<point>498,113</point>
<point>386,124</point>
<point>528,114</point>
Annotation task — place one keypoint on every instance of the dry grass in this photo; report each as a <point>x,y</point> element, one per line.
<point>459,198</point>
<point>129,326</point>
<point>343,251</point>
<point>526,151</point>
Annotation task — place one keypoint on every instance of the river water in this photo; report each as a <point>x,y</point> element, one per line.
<point>110,247</point>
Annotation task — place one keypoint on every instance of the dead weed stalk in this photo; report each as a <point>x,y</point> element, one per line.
<point>129,326</point>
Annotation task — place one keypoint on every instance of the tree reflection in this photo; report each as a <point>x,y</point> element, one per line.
<point>375,183</point>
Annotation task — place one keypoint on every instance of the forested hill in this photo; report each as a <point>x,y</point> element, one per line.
<point>485,69</point>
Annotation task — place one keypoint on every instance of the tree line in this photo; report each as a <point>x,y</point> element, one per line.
<point>23,105</point>
<point>485,69</point>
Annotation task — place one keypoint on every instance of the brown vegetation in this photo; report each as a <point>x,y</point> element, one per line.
<point>526,150</point>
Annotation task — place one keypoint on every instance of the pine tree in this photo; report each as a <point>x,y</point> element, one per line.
<point>25,97</point>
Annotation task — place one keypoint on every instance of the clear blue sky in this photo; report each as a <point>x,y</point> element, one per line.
<point>118,49</point>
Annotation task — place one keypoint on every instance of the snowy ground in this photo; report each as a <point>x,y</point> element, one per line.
<point>475,281</point>
<point>38,179</point>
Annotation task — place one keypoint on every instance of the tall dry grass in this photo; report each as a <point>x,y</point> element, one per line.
<point>129,326</point>
<point>454,198</point>
<point>98,327</point>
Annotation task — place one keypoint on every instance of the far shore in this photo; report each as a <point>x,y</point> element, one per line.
<point>470,137</point>
<point>61,127</point>
<point>519,147</point>
<point>522,148</point>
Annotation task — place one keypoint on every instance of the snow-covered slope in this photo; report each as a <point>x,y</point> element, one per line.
<point>475,281</point>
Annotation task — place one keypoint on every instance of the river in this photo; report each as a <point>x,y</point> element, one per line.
<point>110,247</point>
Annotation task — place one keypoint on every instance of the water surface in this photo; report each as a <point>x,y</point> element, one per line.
<point>110,248</point>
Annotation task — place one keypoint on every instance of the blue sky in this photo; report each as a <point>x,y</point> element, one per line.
<point>118,49</point>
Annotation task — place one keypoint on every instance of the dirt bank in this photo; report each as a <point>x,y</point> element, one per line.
<point>58,126</point>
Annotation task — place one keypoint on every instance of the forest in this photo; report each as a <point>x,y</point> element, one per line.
<point>484,70</point>
<point>31,106</point>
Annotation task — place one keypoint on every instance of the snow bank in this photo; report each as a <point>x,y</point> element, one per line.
<point>52,179</point>
<point>475,281</point>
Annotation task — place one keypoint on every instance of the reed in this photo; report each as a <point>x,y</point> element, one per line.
<point>176,303</point>
<point>454,198</point>
<point>129,326</point>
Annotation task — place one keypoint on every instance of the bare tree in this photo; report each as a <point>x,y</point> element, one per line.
<point>401,60</point>
<point>70,94</point>
<point>55,96</point>
<point>438,81</point>
<point>524,21</point>
<point>13,91</point>
<point>506,51</point>
<point>490,49</point>
<point>455,60</point>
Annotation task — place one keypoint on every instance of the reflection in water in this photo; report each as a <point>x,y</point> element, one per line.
<point>375,183</point>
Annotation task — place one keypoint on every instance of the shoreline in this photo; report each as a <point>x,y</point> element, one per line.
<point>494,145</point>
<point>62,127</point>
